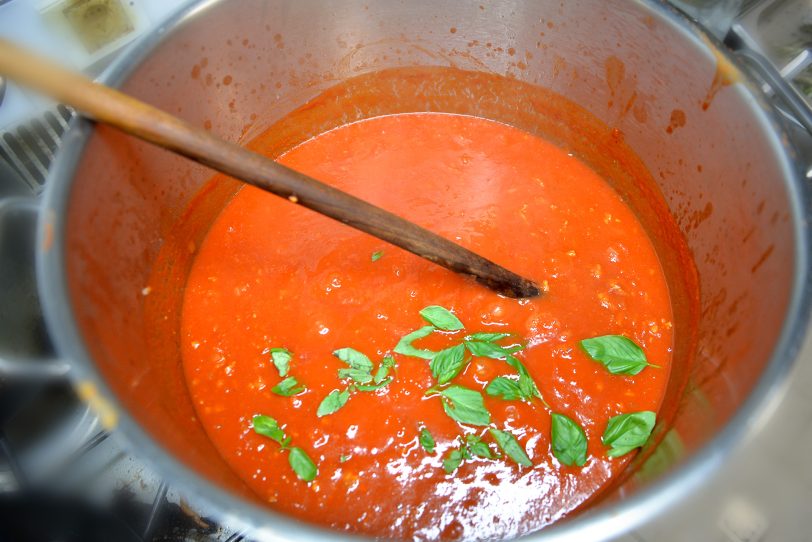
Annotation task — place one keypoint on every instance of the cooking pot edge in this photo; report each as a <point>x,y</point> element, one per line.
<point>601,523</point>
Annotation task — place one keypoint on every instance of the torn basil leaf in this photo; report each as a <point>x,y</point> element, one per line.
<point>288,387</point>
<point>620,355</point>
<point>506,388</point>
<point>568,441</point>
<point>486,349</point>
<point>302,465</point>
<point>441,318</point>
<point>448,363</point>
<point>268,427</point>
<point>354,359</point>
<point>426,440</point>
<point>477,447</point>
<point>299,461</point>
<point>452,461</point>
<point>387,363</point>
<point>333,402</point>
<point>281,360</point>
<point>488,337</point>
<point>465,405</point>
<point>405,347</point>
<point>361,376</point>
<point>626,432</point>
<point>511,447</point>
<point>374,387</point>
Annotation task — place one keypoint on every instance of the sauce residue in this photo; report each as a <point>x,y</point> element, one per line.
<point>271,274</point>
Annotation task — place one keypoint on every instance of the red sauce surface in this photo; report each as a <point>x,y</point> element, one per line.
<point>272,274</point>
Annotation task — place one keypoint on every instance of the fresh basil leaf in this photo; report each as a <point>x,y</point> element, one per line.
<point>405,347</point>
<point>486,349</point>
<point>376,255</point>
<point>452,461</point>
<point>477,447</point>
<point>506,388</point>
<point>488,337</point>
<point>267,427</point>
<point>426,440</point>
<point>441,318</point>
<point>568,441</point>
<point>334,401</point>
<point>448,363</point>
<point>383,369</point>
<point>281,360</point>
<point>288,387</point>
<point>514,362</point>
<point>626,432</point>
<point>362,376</point>
<point>374,387</point>
<point>302,465</point>
<point>619,354</point>
<point>354,359</point>
<point>465,405</point>
<point>512,349</point>
<point>528,387</point>
<point>511,447</point>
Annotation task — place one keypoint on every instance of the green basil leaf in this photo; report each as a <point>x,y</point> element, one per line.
<point>506,388</point>
<point>528,387</point>
<point>354,359</point>
<point>374,387</point>
<point>488,337</point>
<point>448,363</point>
<point>267,427</point>
<point>486,349</point>
<point>441,318</point>
<point>620,355</point>
<point>288,387</point>
<point>511,447</point>
<point>426,440</point>
<point>452,461</point>
<point>334,401</point>
<point>383,369</point>
<point>376,255</point>
<point>281,360</point>
<point>626,432</point>
<point>568,441</point>
<point>302,465</point>
<point>465,405</point>
<point>344,458</point>
<point>514,362</point>
<point>405,347</point>
<point>477,447</point>
<point>362,376</point>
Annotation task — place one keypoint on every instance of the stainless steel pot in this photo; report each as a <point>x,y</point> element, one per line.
<point>722,165</point>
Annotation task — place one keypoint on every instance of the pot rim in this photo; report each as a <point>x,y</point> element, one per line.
<point>606,520</point>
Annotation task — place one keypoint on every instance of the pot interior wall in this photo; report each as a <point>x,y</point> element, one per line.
<point>239,71</point>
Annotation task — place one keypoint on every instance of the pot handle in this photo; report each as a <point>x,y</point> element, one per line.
<point>785,91</point>
<point>25,349</point>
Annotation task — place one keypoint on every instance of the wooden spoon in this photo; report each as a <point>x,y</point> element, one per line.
<point>109,106</point>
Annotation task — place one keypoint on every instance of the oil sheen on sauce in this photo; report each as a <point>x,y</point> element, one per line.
<point>273,274</point>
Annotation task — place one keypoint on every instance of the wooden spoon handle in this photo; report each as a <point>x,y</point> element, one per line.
<point>143,121</point>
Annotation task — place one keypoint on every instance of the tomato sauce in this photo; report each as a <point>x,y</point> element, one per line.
<point>272,274</point>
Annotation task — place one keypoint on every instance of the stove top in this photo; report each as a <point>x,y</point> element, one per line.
<point>62,478</point>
